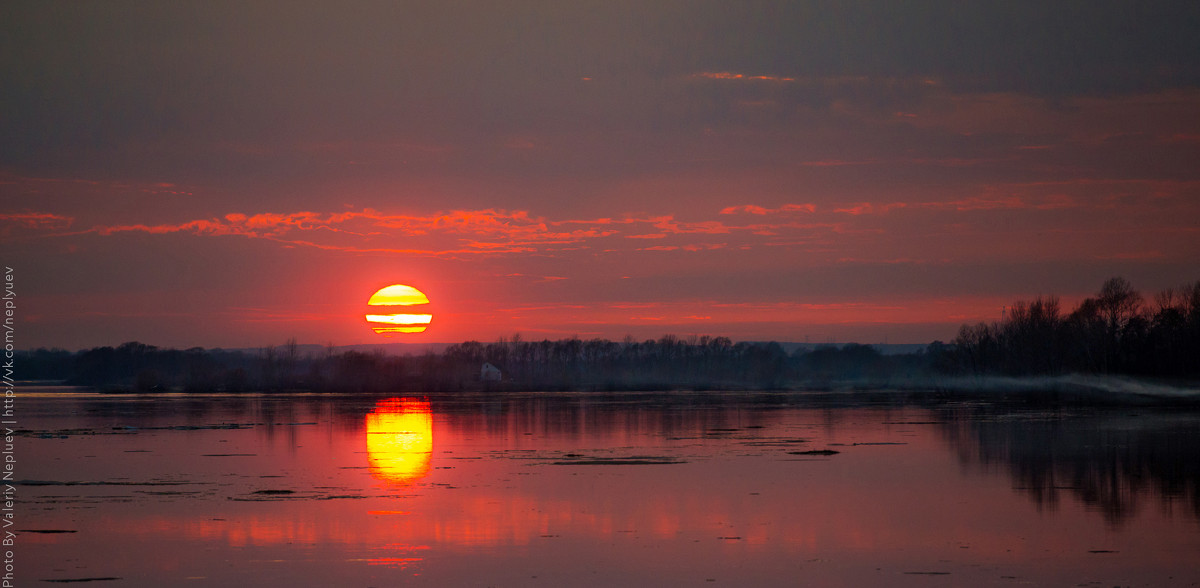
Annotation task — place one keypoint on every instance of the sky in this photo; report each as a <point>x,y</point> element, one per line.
<point>230,174</point>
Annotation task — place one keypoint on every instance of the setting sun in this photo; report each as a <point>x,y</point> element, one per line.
<point>391,297</point>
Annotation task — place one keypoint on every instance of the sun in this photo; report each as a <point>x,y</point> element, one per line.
<point>393,298</point>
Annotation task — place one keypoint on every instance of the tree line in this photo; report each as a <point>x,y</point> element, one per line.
<point>695,363</point>
<point>1114,332</point>
<point>1117,331</point>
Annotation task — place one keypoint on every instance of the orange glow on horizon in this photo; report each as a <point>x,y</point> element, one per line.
<point>398,295</point>
<point>400,440</point>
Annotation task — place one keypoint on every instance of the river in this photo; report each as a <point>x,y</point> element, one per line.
<point>637,489</point>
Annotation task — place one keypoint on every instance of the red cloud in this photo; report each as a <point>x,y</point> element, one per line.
<point>473,233</point>
<point>725,75</point>
<point>869,208</point>
<point>759,210</point>
<point>44,221</point>
<point>202,227</point>
<point>668,224</point>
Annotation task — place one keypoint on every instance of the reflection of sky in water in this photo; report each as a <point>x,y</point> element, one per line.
<point>740,508</point>
<point>399,436</point>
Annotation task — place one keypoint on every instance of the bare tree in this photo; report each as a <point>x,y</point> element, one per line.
<point>1119,303</point>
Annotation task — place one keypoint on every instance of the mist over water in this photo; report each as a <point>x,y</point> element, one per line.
<point>1078,387</point>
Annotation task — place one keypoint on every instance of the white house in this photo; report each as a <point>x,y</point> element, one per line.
<point>489,373</point>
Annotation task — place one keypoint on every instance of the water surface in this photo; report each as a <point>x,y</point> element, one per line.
<point>587,490</point>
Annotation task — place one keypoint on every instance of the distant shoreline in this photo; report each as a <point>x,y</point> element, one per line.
<point>1074,389</point>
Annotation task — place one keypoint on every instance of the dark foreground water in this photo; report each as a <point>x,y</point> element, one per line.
<point>586,490</point>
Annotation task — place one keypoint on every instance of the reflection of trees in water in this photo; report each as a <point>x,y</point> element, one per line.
<point>1110,463</point>
<point>592,417</point>
<point>267,411</point>
<point>615,417</point>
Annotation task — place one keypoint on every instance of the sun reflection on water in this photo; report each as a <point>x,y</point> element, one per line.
<point>400,440</point>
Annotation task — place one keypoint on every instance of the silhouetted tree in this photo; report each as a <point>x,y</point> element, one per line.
<point>1112,332</point>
